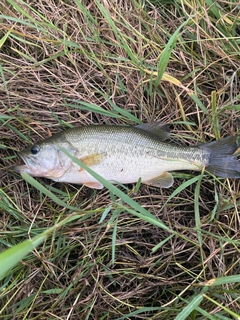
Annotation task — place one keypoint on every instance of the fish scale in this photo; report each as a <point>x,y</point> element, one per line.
<point>129,155</point>
<point>124,154</point>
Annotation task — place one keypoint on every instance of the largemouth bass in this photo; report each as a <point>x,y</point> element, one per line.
<point>124,154</point>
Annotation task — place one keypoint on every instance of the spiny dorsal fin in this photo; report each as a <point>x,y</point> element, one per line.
<point>159,129</point>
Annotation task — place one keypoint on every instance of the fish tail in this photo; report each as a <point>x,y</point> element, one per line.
<point>224,157</point>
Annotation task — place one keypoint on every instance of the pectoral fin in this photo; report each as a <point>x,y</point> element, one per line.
<point>165,180</point>
<point>92,159</point>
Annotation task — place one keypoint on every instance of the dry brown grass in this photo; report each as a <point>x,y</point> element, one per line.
<point>58,54</point>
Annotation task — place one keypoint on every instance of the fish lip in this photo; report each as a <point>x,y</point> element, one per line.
<point>20,168</point>
<point>29,164</point>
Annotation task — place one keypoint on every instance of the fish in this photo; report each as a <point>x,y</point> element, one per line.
<point>124,154</point>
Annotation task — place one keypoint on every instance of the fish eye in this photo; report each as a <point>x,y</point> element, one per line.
<point>35,149</point>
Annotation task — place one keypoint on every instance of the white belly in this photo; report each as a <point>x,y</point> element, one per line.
<point>126,169</point>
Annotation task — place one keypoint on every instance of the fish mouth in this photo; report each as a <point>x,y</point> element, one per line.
<point>29,166</point>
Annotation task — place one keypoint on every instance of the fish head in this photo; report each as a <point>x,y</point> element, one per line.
<point>45,159</point>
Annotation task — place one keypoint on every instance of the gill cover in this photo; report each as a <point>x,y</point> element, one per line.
<point>46,159</point>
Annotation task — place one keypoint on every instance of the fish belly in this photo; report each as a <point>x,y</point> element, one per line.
<point>125,168</point>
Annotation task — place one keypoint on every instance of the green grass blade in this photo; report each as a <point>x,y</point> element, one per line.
<point>198,102</point>
<point>23,22</point>
<point>122,42</point>
<point>166,54</point>
<point>45,191</point>
<point>221,306</point>
<point>193,304</point>
<point>10,257</point>
<point>196,210</point>
<point>146,214</point>
<point>160,244</point>
<point>5,88</point>
<point>4,38</point>
<point>222,280</point>
<point>114,239</point>
<point>92,108</point>
<point>183,186</point>
<point>214,114</point>
<point>29,16</point>
<point>139,311</point>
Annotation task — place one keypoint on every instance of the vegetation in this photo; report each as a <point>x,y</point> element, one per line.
<point>126,252</point>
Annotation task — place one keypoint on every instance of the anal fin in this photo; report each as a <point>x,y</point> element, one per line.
<point>94,185</point>
<point>165,180</point>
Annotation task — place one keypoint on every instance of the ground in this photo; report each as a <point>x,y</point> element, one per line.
<point>140,252</point>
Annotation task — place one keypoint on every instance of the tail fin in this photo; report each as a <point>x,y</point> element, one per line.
<point>223,161</point>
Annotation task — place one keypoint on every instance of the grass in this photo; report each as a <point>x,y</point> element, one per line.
<point>127,252</point>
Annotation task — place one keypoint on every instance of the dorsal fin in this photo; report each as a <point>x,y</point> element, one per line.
<point>159,129</point>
